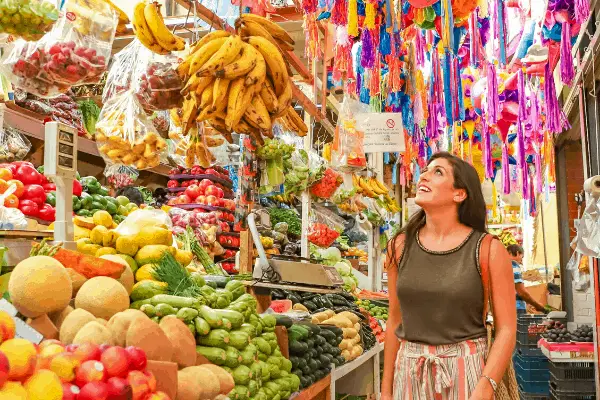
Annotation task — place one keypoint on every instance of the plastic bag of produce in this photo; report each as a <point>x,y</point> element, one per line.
<point>10,216</point>
<point>125,135</point>
<point>27,19</point>
<point>327,185</point>
<point>118,79</point>
<point>74,52</point>
<point>347,150</point>
<point>13,145</point>
<point>324,226</point>
<point>141,218</point>
<point>157,84</point>
<point>120,176</point>
<point>193,148</point>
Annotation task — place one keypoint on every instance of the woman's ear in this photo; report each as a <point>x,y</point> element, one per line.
<point>460,195</point>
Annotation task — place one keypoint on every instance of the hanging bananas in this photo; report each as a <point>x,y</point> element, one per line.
<point>375,189</point>
<point>240,83</point>
<point>150,29</point>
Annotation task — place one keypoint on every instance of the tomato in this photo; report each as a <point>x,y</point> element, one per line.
<point>20,187</point>
<point>6,174</point>
<point>11,201</point>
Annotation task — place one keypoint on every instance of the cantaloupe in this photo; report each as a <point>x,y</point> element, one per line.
<point>225,379</point>
<point>58,317</point>
<point>95,333</point>
<point>126,278</point>
<point>197,383</point>
<point>76,320</point>
<point>103,297</point>
<point>120,322</point>
<point>77,280</point>
<point>148,336</point>
<point>182,339</point>
<point>39,285</point>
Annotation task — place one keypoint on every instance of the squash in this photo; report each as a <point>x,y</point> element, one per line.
<point>339,321</point>
<point>351,316</point>
<point>148,336</point>
<point>126,277</point>
<point>39,285</point>
<point>95,333</point>
<point>103,297</point>
<point>349,333</point>
<point>73,322</point>
<point>182,339</point>
<point>355,352</point>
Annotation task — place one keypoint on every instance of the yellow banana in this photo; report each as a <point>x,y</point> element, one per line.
<point>251,28</point>
<point>257,112</point>
<point>269,97</point>
<point>258,74</point>
<point>123,18</point>
<point>285,99</point>
<point>365,187</point>
<point>142,31</point>
<point>190,112</point>
<point>197,84</point>
<point>242,104</point>
<point>235,94</point>
<point>276,65</point>
<point>374,187</point>
<point>209,37</point>
<point>175,116</point>
<point>159,30</point>
<point>224,56</point>
<point>200,57</point>
<point>275,30</point>
<point>302,128</point>
<point>284,46</point>
<point>382,186</point>
<point>241,66</point>
<point>220,90</point>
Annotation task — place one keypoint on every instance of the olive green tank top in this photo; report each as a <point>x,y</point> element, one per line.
<point>441,293</point>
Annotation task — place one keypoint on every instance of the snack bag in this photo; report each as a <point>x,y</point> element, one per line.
<point>27,19</point>
<point>74,52</point>
<point>125,135</point>
<point>13,145</point>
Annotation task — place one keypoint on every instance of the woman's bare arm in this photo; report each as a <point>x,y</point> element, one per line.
<point>505,321</point>
<point>394,319</point>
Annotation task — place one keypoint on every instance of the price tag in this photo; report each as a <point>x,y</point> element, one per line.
<point>383,132</point>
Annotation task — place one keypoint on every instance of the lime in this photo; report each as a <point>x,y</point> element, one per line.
<point>122,200</point>
<point>131,207</point>
<point>122,210</point>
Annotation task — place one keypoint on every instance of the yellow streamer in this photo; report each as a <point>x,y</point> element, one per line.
<point>353,18</point>
<point>369,15</point>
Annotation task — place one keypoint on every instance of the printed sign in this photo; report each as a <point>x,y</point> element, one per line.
<point>383,132</point>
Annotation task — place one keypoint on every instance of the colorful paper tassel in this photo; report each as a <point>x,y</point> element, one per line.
<point>567,71</point>
<point>493,103</point>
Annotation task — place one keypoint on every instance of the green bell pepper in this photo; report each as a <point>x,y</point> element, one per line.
<point>91,184</point>
<point>83,213</point>
<point>76,203</point>
<point>51,198</point>
<point>96,205</point>
<point>111,208</point>
<point>103,191</point>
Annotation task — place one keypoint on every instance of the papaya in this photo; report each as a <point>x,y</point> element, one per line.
<point>147,289</point>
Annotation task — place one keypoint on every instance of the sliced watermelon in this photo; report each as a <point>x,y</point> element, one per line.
<point>281,306</point>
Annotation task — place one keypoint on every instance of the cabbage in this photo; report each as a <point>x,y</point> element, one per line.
<point>343,269</point>
<point>332,254</point>
<point>349,283</point>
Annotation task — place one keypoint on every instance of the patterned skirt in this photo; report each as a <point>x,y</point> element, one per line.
<point>447,372</point>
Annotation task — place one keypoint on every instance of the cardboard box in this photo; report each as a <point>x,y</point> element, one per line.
<point>555,301</point>
<point>44,326</point>
<point>166,376</point>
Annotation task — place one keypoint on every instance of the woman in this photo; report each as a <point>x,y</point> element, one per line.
<point>436,345</point>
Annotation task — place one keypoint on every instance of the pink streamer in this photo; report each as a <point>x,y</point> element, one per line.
<point>582,11</point>
<point>493,106</point>
<point>505,170</point>
<point>567,71</point>
<point>553,122</point>
<point>538,172</point>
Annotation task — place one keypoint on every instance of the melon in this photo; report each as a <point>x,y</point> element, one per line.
<point>72,323</point>
<point>126,277</point>
<point>39,285</point>
<point>95,333</point>
<point>103,297</point>
<point>120,322</point>
<point>281,306</point>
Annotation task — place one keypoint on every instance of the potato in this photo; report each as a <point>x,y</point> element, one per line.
<point>351,316</point>
<point>195,383</point>
<point>76,320</point>
<point>120,322</point>
<point>182,339</point>
<point>148,336</point>
<point>95,333</point>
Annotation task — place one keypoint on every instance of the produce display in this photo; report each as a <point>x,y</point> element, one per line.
<point>373,308</point>
<point>557,332</point>
<point>13,145</point>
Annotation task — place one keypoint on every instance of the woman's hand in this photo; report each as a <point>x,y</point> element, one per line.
<point>483,391</point>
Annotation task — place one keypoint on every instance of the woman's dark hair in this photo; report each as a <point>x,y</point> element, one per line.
<point>471,212</point>
<point>514,250</point>
<point>132,193</point>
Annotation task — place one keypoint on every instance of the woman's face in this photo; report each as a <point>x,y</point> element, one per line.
<point>436,185</point>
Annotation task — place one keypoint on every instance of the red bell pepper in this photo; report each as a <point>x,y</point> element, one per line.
<point>47,213</point>
<point>77,188</point>
<point>34,193</point>
<point>12,167</point>
<point>28,175</point>
<point>29,208</point>
<point>49,187</point>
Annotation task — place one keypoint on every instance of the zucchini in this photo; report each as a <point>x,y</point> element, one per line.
<point>187,314</point>
<point>336,331</point>
<point>324,360</point>
<point>148,309</point>
<point>314,329</point>
<point>202,327</point>
<point>310,305</point>
<point>236,318</point>
<point>263,345</point>
<point>239,339</point>
<point>174,301</point>
<point>212,354</point>
<point>192,329</point>
<point>282,320</point>
<point>215,338</point>
<point>138,304</point>
<point>210,316</point>
<point>226,324</point>
<point>249,355</point>
<point>327,334</point>
<point>164,309</point>
<point>320,340</point>
<point>249,329</point>
<point>296,347</point>
<point>310,343</point>
<point>234,358</point>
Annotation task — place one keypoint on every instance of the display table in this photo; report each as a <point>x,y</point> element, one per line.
<point>567,352</point>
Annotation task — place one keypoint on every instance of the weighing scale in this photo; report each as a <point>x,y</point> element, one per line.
<point>290,270</point>
<point>60,164</point>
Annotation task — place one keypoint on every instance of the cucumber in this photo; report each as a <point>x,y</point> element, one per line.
<point>215,338</point>
<point>236,318</point>
<point>214,355</point>
<point>187,314</point>
<point>202,327</point>
<point>174,301</point>
<point>296,347</point>
<point>138,304</point>
<point>163,309</point>
<point>148,309</point>
<point>210,316</point>
<point>217,281</point>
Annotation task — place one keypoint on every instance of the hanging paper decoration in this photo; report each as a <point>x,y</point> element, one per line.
<point>567,71</point>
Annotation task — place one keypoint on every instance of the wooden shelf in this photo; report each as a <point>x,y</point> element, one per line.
<point>291,287</point>
<point>345,369</point>
<point>314,390</point>
<point>32,124</point>
<point>14,234</point>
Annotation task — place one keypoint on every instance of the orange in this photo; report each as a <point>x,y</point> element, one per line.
<point>20,187</point>
<point>3,186</point>
<point>11,201</point>
<point>6,174</point>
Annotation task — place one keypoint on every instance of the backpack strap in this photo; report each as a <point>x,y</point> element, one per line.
<point>484,263</point>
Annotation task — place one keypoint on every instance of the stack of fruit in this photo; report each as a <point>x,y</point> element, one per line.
<point>348,323</point>
<point>29,19</point>
<point>204,193</point>
<point>375,310</point>
<point>374,188</point>
<point>239,83</point>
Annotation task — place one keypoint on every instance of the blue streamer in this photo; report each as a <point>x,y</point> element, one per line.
<point>447,88</point>
<point>385,47</point>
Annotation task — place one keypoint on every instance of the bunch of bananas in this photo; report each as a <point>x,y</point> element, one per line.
<point>123,18</point>
<point>151,31</point>
<point>195,146</point>
<point>390,204</point>
<point>238,83</point>
<point>370,187</point>
<point>507,238</point>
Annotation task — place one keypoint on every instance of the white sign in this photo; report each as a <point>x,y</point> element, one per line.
<point>383,132</point>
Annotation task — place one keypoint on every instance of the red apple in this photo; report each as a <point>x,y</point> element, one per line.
<point>88,351</point>
<point>137,358</point>
<point>104,347</point>
<point>93,391</point>
<point>142,384</point>
<point>212,201</point>
<point>211,190</point>
<point>115,361</point>
<point>211,171</point>
<point>4,369</point>
<point>204,183</point>
<point>220,194</point>
<point>119,389</point>
<point>193,191</point>
<point>90,371</point>
<point>200,199</point>
<point>172,201</point>
<point>183,199</point>
<point>70,392</point>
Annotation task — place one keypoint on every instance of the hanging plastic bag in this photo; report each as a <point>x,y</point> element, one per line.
<point>191,149</point>
<point>13,145</point>
<point>327,185</point>
<point>125,135</point>
<point>158,86</point>
<point>120,176</point>
<point>74,52</point>
<point>324,226</point>
<point>120,73</point>
<point>347,150</point>
<point>27,19</point>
